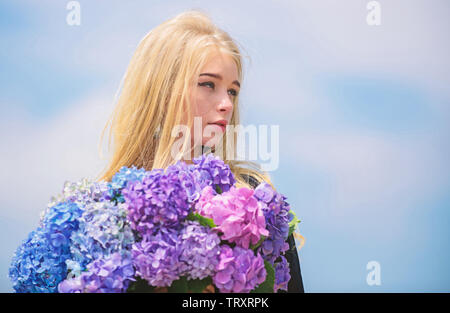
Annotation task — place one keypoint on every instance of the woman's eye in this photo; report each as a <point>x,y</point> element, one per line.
<point>232,92</point>
<point>207,84</point>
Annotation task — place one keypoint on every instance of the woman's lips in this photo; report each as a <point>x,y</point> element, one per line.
<point>222,127</point>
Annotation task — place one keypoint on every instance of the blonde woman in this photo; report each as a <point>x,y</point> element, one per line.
<point>186,72</point>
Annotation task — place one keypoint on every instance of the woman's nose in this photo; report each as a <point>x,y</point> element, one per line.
<point>225,104</point>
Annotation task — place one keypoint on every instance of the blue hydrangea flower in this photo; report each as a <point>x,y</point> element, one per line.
<point>111,274</point>
<point>59,223</point>
<point>38,265</point>
<point>120,180</point>
<point>103,230</point>
<point>81,192</point>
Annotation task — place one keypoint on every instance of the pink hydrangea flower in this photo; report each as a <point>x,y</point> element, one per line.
<point>236,214</point>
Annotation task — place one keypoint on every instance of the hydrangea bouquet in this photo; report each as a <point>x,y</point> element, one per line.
<point>183,228</point>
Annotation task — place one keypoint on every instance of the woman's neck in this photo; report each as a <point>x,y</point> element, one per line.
<point>203,150</point>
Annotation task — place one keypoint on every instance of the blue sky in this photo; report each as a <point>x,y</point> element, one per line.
<point>364,115</point>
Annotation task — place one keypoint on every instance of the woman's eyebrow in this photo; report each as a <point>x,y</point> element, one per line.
<point>220,77</point>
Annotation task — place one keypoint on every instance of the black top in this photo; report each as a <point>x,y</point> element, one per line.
<point>296,282</point>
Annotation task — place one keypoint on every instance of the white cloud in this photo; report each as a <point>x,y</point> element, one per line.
<point>410,43</point>
<point>369,170</point>
<point>38,157</point>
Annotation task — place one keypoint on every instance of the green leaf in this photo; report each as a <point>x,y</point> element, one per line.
<point>218,189</point>
<point>204,221</point>
<point>253,247</point>
<point>267,285</point>
<point>179,286</point>
<point>197,285</point>
<point>293,224</point>
<point>140,286</point>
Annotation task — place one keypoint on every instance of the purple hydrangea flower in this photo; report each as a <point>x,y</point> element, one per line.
<point>199,250</point>
<point>272,248</point>
<point>282,275</point>
<point>210,170</point>
<point>239,270</point>
<point>111,274</point>
<point>72,285</point>
<point>187,179</point>
<point>277,216</point>
<point>157,258</point>
<point>121,179</point>
<point>157,202</point>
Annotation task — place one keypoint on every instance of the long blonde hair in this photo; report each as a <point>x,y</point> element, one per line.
<point>154,95</point>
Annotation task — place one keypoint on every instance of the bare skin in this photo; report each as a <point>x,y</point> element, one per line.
<point>212,97</point>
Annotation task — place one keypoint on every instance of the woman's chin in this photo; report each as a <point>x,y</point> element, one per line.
<point>211,142</point>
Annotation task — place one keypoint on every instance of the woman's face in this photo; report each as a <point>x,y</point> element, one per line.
<point>212,99</point>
